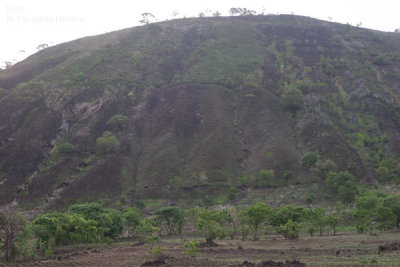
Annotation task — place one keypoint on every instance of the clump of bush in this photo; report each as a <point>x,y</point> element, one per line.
<point>107,144</point>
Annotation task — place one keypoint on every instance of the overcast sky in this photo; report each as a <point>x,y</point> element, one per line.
<point>25,24</point>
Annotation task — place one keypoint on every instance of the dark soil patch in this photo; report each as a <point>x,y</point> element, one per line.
<point>389,247</point>
<point>154,263</point>
<point>208,244</point>
<point>158,262</point>
<point>270,263</point>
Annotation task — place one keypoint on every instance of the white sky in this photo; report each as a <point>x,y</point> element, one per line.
<point>24,24</point>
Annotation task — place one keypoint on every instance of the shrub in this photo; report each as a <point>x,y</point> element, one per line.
<point>191,248</point>
<point>117,121</point>
<point>347,192</point>
<point>310,199</point>
<point>379,60</point>
<point>107,144</point>
<point>66,148</point>
<point>210,223</point>
<point>386,218</point>
<point>309,159</point>
<point>290,230</point>
<point>173,217</point>
<point>132,217</point>
<point>232,192</point>
<point>255,215</point>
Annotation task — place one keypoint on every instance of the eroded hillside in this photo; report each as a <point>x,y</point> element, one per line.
<point>208,100</point>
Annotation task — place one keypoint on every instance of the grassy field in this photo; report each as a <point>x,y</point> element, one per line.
<point>344,249</point>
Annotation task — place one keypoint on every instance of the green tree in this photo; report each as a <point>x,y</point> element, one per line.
<point>175,186</point>
<point>293,98</point>
<point>65,148</point>
<point>210,223</point>
<point>332,221</point>
<point>393,202</point>
<point>56,229</point>
<point>117,122</point>
<point>290,229</point>
<point>362,218</point>
<point>109,221</point>
<point>145,229</point>
<point>173,218</point>
<point>309,159</point>
<point>264,178</point>
<point>383,173</point>
<point>343,185</point>
<point>285,213</point>
<point>232,192</point>
<point>347,192</point>
<point>368,201</point>
<point>386,218</point>
<point>326,166</point>
<point>256,215</point>
<point>316,218</point>
<point>107,144</point>
<point>132,217</point>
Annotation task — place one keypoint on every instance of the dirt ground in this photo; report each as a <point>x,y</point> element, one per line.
<point>327,250</point>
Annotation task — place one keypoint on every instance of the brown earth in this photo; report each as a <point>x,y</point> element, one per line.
<point>340,250</point>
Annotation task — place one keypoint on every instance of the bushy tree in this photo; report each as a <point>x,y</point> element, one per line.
<point>386,218</point>
<point>132,217</point>
<point>285,213</point>
<point>145,229</point>
<point>326,166</point>
<point>173,217</point>
<point>255,215</point>
<point>347,192</point>
<point>333,222</point>
<point>263,178</point>
<point>232,192</point>
<point>117,122</point>
<point>316,219</point>
<point>393,202</point>
<point>362,219</point>
<point>107,144</point>
<point>343,185</point>
<point>66,148</point>
<point>175,184</point>
<point>109,221</point>
<point>56,229</point>
<point>290,229</point>
<point>210,223</point>
<point>309,159</point>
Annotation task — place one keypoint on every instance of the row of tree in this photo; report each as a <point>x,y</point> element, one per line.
<point>92,223</point>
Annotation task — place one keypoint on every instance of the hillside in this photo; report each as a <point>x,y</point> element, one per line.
<point>116,117</point>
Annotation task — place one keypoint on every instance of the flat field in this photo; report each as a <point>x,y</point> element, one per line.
<point>344,249</point>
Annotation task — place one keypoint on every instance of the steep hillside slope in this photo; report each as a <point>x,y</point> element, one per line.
<point>117,116</point>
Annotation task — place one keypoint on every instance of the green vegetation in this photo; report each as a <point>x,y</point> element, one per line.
<point>210,223</point>
<point>191,248</point>
<point>211,127</point>
<point>310,159</point>
<point>65,148</point>
<point>117,121</point>
<point>92,223</point>
<point>107,144</point>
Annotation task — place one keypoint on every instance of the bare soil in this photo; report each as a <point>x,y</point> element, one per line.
<point>328,250</point>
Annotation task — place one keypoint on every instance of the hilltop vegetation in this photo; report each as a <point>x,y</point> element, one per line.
<point>204,111</point>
